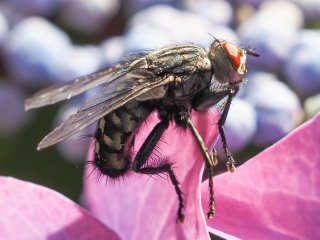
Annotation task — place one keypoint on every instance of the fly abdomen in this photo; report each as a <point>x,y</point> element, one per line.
<point>114,138</point>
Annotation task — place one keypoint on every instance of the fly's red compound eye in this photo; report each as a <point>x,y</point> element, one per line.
<point>234,54</point>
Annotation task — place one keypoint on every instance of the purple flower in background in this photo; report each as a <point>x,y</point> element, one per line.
<point>275,195</point>
<point>12,118</point>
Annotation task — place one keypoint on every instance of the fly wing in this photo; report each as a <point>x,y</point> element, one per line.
<point>76,86</point>
<point>71,88</point>
<point>144,78</point>
<point>180,60</point>
<point>86,116</point>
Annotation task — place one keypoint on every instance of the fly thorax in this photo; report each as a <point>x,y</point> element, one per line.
<point>156,93</point>
<point>190,85</point>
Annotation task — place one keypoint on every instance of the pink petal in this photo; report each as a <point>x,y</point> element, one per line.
<point>276,194</point>
<point>29,211</point>
<point>140,207</point>
<point>223,235</point>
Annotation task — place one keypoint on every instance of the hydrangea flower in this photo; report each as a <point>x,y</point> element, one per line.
<point>275,195</point>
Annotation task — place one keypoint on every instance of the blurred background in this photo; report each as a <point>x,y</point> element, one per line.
<point>44,42</point>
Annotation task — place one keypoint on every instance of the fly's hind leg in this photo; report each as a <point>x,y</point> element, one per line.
<point>139,165</point>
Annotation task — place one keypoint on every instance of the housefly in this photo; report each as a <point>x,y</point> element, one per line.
<point>173,81</point>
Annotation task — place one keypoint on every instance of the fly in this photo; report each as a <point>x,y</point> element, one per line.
<point>173,81</point>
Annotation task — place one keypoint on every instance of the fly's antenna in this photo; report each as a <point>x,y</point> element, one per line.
<point>212,36</point>
<point>215,40</point>
<point>252,52</point>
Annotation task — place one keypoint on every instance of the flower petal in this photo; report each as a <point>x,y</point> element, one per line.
<point>29,211</point>
<point>276,194</point>
<point>144,207</point>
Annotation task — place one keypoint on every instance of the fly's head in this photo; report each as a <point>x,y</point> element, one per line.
<point>229,62</point>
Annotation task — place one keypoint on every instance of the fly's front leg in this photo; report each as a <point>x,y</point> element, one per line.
<point>210,158</point>
<point>208,99</point>
<point>230,161</point>
<point>140,163</point>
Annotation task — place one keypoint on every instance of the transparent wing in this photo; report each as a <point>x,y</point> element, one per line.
<point>86,116</point>
<point>116,88</point>
<point>183,59</point>
<point>74,87</point>
<point>142,78</point>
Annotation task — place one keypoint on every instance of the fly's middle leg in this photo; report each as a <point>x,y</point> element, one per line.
<point>140,163</point>
<point>210,158</point>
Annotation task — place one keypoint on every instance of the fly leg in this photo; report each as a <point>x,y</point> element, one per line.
<point>230,161</point>
<point>210,158</point>
<point>209,99</point>
<point>139,165</point>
